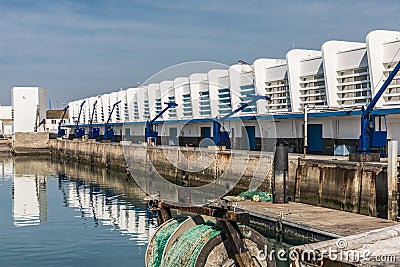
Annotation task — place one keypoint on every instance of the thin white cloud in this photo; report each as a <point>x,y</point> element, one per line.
<point>86,48</point>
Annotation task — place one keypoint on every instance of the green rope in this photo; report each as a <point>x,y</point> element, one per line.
<point>187,247</point>
<point>256,195</point>
<point>160,240</point>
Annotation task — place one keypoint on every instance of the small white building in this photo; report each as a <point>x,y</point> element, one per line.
<point>29,107</point>
<point>6,120</point>
<point>53,118</point>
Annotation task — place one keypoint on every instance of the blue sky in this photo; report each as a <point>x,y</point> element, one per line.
<point>82,48</point>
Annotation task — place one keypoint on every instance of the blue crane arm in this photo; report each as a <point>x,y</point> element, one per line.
<point>91,117</point>
<point>149,132</point>
<point>222,137</point>
<point>170,105</point>
<point>111,112</point>
<point>79,115</point>
<point>378,95</point>
<point>243,106</point>
<point>369,137</point>
<point>63,116</point>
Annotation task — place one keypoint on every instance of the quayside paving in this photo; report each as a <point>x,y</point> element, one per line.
<point>322,223</point>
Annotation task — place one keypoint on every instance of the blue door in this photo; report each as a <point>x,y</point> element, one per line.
<point>251,136</point>
<point>314,137</point>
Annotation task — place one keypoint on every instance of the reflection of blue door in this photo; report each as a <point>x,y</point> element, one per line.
<point>206,134</point>
<point>251,136</point>
<point>314,137</point>
<point>127,136</point>
<point>173,136</point>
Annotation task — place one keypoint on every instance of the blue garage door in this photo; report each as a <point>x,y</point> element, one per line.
<point>251,136</point>
<point>205,136</point>
<point>314,137</point>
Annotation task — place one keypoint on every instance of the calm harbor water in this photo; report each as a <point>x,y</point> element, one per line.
<point>67,215</point>
<point>55,214</point>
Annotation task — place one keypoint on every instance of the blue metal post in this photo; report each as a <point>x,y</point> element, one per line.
<point>93,132</point>
<point>61,132</point>
<point>79,132</point>
<point>108,130</point>
<point>149,132</point>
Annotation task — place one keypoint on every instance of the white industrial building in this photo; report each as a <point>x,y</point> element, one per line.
<point>29,109</point>
<point>334,83</point>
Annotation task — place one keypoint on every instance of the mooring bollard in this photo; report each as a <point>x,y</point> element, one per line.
<point>281,163</point>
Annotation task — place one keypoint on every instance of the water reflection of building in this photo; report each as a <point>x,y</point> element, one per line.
<point>6,168</point>
<point>97,205</point>
<point>105,208</point>
<point>29,200</point>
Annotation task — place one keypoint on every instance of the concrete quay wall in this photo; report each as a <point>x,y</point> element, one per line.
<point>94,153</point>
<point>184,165</point>
<point>31,143</point>
<point>363,188</point>
<point>358,187</point>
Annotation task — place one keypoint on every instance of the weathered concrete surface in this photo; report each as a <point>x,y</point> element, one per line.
<point>5,146</point>
<point>197,166</point>
<point>95,153</point>
<point>31,143</point>
<point>309,221</point>
<point>379,247</point>
<point>357,187</point>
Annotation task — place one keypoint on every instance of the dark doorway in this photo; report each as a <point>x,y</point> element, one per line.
<point>251,137</point>
<point>314,138</point>
<point>206,136</point>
